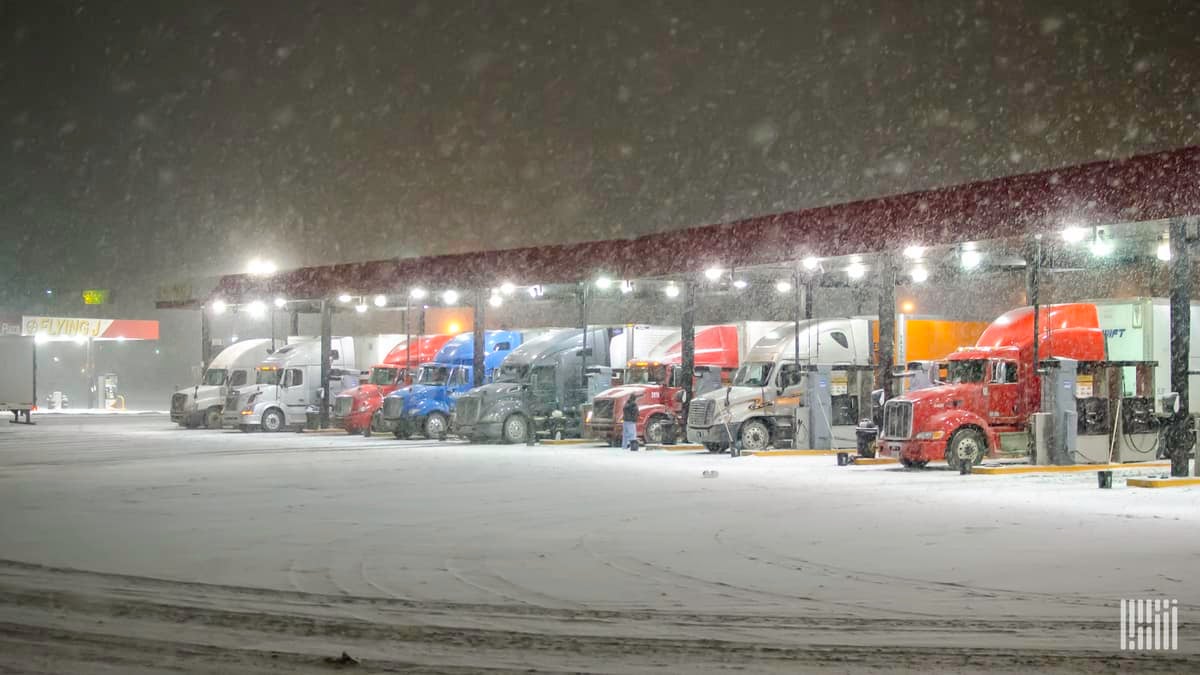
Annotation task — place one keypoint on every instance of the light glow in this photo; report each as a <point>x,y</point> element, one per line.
<point>418,293</point>
<point>713,273</point>
<point>811,263</point>
<point>450,297</point>
<point>257,309</point>
<point>919,274</point>
<point>380,300</point>
<point>507,288</point>
<point>219,307</point>
<point>856,270</point>
<point>671,291</point>
<point>783,286</point>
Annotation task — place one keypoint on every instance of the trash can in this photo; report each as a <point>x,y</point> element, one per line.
<point>312,418</point>
<point>865,435</point>
<point>668,431</point>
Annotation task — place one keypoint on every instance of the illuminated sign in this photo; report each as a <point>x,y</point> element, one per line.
<point>76,328</point>
<point>95,296</point>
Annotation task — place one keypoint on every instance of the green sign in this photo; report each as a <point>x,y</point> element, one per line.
<point>95,296</point>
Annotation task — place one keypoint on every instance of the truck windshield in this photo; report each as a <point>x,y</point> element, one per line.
<point>433,375</point>
<point>267,376</point>
<point>646,374</point>
<point>383,376</point>
<point>512,372</point>
<point>215,377</point>
<point>755,374</point>
<point>965,371</point>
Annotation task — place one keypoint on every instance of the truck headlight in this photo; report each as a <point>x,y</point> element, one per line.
<point>930,435</point>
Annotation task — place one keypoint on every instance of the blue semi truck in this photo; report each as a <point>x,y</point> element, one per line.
<point>425,406</point>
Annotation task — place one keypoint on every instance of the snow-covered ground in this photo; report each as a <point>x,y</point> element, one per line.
<point>566,557</point>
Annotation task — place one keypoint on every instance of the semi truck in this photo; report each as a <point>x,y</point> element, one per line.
<point>426,405</point>
<point>1139,329</point>
<point>990,390</point>
<point>201,404</point>
<point>18,376</point>
<point>360,409</point>
<point>754,412</point>
<point>659,386</point>
<point>286,383</point>
<point>538,389</point>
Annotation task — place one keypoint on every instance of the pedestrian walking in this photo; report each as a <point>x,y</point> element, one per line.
<point>629,415</point>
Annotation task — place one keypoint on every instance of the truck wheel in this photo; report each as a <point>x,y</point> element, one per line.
<point>516,429</point>
<point>400,431</point>
<point>212,419</point>
<point>436,425</point>
<point>272,420</point>
<point>713,447</point>
<point>655,433</point>
<point>965,446</point>
<point>755,436</point>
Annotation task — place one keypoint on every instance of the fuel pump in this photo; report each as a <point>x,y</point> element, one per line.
<point>106,388</point>
<point>832,399</point>
<point>1088,416</point>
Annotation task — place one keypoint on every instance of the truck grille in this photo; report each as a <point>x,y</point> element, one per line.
<point>700,412</point>
<point>466,410</point>
<point>177,402</point>
<point>602,409</point>
<point>392,407</point>
<point>342,406</point>
<point>897,419</point>
<point>232,402</point>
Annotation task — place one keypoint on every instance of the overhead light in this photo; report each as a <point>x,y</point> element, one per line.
<point>418,293</point>
<point>450,296</point>
<point>233,338</point>
<point>380,300</point>
<point>257,309</point>
<point>672,290</point>
<point>260,267</point>
<point>970,259</point>
<point>49,291</point>
<point>280,303</point>
<point>536,291</point>
<point>344,298</point>
<point>907,307</point>
<point>361,308</point>
<point>1073,234</point>
<point>79,339</point>
<point>41,338</point>
<point>604,283</point>
<point>811,263</point>
<point>740,284</point>
<point>914,252</point>
<point>783,285</point>
<point>219,307</point>
<point>453,327</point>
<point>1163,252</point>
<point>1101,246</point>
<point>713,273</point>
<point>507,288</point>
<point>856,270</point>
<point>496,300</point>
<point>919,274</point>
<point>626,286</point>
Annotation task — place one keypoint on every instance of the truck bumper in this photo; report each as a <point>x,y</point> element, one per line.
<point>481,431</point>
<point>354,422</point>
<point>914,451</point>
<point>605,430</point>
<point>712,435</point>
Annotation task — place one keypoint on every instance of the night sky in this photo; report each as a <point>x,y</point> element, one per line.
<point>145,142</point>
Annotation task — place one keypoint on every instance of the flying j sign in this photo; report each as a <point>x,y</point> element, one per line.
<point>69,328</point>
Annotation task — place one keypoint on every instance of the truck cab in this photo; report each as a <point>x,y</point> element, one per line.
<point>286,383</point>
<point>201,404</point>
<point>426,405</point>
<point>983,407</point>
<point>538,388</point>
<point>660,387</point>
<point>747,412</point>
<point>360,409</point>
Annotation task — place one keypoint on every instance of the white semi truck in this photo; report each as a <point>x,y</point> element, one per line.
<point>18,376</point>
<point>1139,329</point>
<point>286,383</point>
<point>200,405</point>
<point>758,409</point>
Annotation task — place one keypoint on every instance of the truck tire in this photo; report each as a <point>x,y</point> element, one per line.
<point>714,448</point>
<point>655,433</point>
<point>400,431</point>
<point>516,429</point>
<point>755,435</point>
<point>436,425</point>
<point>966,445</point>
<point>212,419</point>
<point>272,420</point>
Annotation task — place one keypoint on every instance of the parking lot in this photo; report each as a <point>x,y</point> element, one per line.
<point>130,537</point>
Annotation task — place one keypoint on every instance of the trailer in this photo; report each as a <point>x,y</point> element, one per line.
<point>18,377</point>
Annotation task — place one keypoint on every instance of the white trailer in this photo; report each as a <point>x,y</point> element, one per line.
<point>18,376</point>
<point>1139,329</point>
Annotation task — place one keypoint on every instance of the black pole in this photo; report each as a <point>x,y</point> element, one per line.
<point>887,324</point>
<point>407,339</point>
<point>477,361</point>
<point>1033,286</point>
<point>326,348</point>
<point>809,301</point>
<point>206,354</point>
<point>583,324</point>
<point>294,328</point>
<point>687,329</point>
<point>796,310</point>
<point>1180,440</point>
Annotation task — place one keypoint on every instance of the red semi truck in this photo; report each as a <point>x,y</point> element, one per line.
<point>355,409</point>
<point>990,390</point>
<point>659,388</point>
